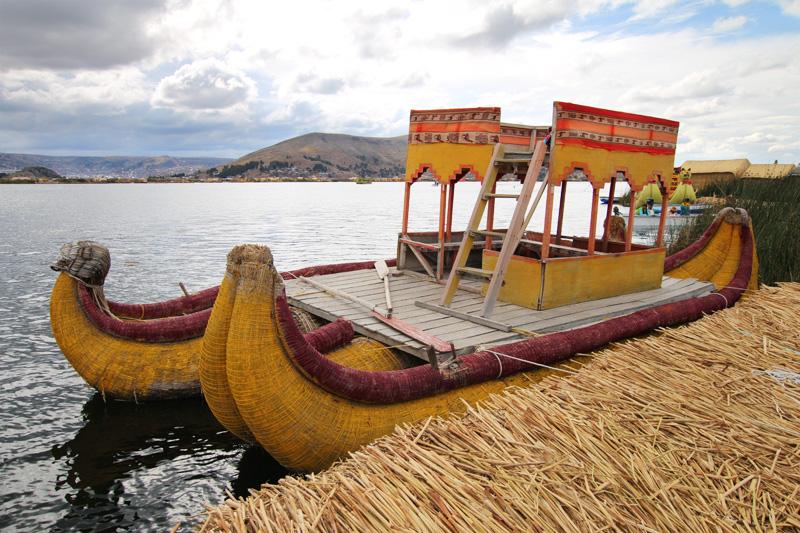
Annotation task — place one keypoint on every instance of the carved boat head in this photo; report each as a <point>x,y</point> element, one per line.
<point>86,261</point>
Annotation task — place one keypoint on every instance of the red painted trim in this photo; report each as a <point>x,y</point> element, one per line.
<point>568,106</point>
<point>615,147</point>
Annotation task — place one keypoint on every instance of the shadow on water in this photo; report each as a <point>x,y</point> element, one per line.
<point>123,445</point>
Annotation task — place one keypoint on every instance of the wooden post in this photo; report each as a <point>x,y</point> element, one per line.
<point>609,211</point>
<point>631,215</point>
<point>406,204</point>
<point>561,201</point>
<point>548,219</point>
<point>450,196</point>
<point>490,217</point>
<point>663,220</point>
<point>442,210</point>
<point>593,219</point>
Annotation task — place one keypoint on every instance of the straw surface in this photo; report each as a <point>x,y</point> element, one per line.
<point>693,429</point>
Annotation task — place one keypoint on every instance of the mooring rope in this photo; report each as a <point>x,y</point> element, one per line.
<point>498,355</point>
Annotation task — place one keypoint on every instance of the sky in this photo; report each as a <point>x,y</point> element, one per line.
<point>227,77</point>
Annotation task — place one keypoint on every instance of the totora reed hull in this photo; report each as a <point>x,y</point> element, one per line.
<point>267,382</point>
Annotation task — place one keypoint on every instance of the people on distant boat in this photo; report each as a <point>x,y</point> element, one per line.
<point>548,138</point>
<point>617,212</point>
<point>673,210</point>
<point>650,207</point>
<point>685,207</point>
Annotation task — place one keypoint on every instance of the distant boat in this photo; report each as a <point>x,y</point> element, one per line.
<point>363,181</point>
<point>604,200</point>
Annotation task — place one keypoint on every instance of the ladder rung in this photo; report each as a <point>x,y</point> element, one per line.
<point>486,233</point>
<point>475,272</point>
<point>515,161</point>
<point>498,195</point>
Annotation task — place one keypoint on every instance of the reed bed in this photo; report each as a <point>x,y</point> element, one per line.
<point>695,428</point>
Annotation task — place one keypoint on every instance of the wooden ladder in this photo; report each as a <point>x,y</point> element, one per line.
<point>511,239</point>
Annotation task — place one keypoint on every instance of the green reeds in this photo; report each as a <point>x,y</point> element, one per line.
<point>774,206</point>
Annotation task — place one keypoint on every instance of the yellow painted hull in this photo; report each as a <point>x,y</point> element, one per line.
<point>120,368</point>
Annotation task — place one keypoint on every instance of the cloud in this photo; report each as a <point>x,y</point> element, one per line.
<point>76,34</point>
<point>312,83</point>
<point>790,7</point>
<point>726,24</point>
<point>505,22</point>
<point>693,85</point>
<point>644,9</point>
<point>207,84</point>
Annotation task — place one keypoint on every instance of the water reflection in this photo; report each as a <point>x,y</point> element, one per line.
<point>123,445</point>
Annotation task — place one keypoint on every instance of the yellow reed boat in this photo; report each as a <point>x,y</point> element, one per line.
<point>464,313</point>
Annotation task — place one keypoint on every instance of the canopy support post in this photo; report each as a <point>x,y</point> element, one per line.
<point>442,209</point>
<point>548,219</point>
<point>561,203</point>
<point>406,205</point>
<point>663,220</point>
<point>490,217</point>
<point>452,191</point>
<point>631,216</point>
<point>593,220</point>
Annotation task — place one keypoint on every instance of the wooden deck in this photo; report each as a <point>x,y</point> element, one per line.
<point>466,336</point>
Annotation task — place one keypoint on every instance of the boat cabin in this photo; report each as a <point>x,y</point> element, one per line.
<point>458,290</point>
<point>537,268</point>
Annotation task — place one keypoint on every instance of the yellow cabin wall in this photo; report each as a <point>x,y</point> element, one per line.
<point>523,279</point>
<point>571,280</point>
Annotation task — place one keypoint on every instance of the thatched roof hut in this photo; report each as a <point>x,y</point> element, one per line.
<point>705,172</point>
<point>768,171</point>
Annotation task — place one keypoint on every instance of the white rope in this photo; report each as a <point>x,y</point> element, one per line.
<point>499,362</point>
<point>498,354</point>
<point>723,297</point>
<point>290,274</point>
<point>779,374</point>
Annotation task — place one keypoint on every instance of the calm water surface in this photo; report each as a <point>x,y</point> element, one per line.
<point>70,461</point>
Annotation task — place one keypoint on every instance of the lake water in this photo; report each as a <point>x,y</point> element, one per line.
<point>70,461</point>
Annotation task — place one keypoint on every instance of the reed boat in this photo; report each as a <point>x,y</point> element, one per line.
<point>464,314</point>
<point>137,352</point>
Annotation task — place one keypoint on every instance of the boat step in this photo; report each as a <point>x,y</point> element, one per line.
<point>486,233</point>
<point>476,272</point>
<point>498,195</point>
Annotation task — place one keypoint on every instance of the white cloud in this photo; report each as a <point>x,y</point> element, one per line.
<point>790,7</point>
<point>726,24</point>
<point>207,84</point>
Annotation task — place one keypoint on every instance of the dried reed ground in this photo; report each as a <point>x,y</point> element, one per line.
<point>681,431</point>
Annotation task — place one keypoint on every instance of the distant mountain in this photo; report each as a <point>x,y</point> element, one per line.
<point>331,155</point>
<point>114,166</point>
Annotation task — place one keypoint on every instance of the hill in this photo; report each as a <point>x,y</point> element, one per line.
<point>31,175</point>
<point>113,166</point>
<point>331,155</point>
